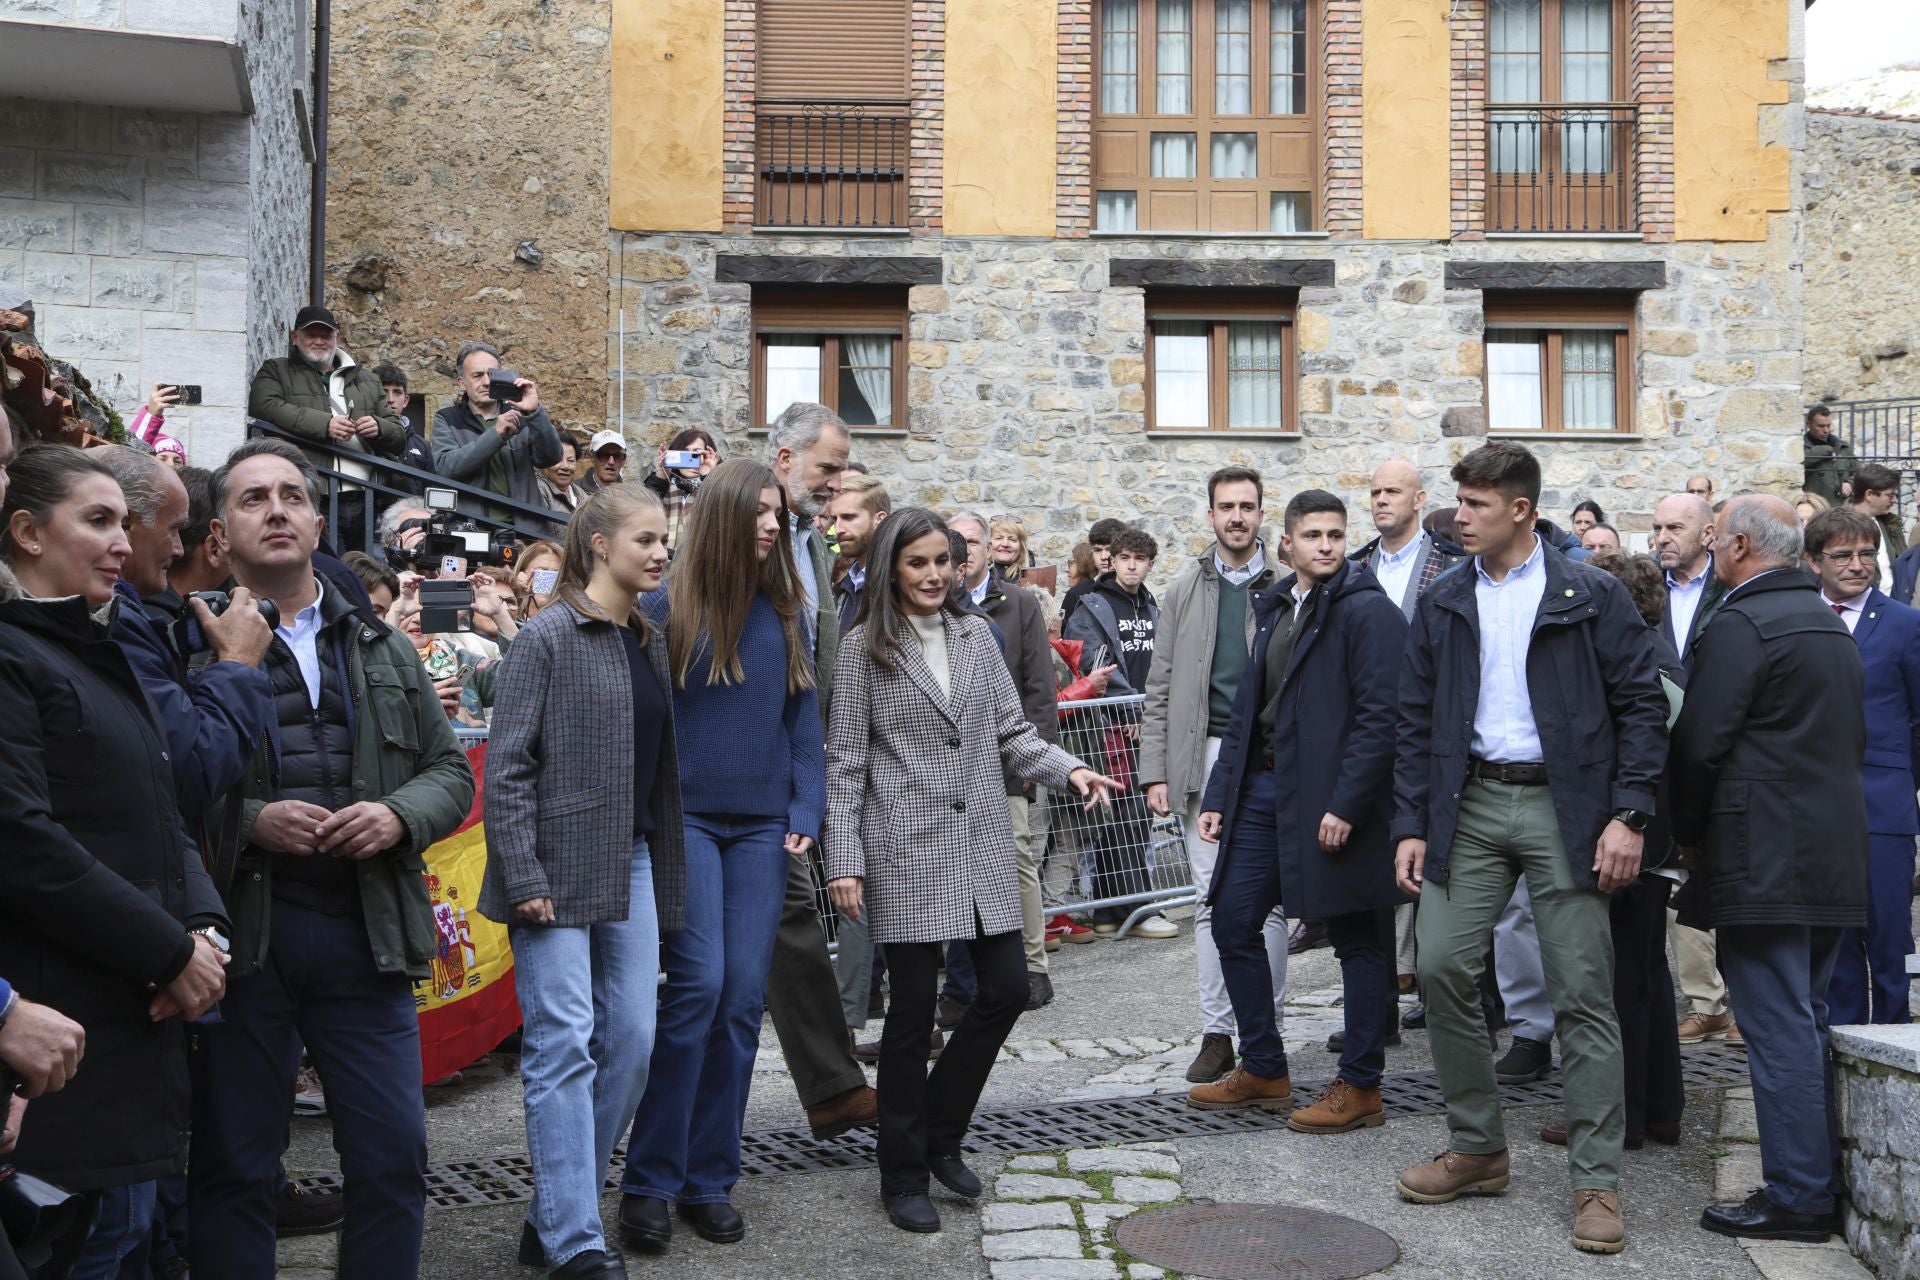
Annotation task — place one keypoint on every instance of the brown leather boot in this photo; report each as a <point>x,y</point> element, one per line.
<point>857,1108</point>
<point>1341,1109</point>
<point>1238,1089</point>
<point>1597,1224</point>
<point>1451,1173</point>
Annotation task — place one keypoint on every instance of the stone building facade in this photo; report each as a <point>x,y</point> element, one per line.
<point>160,225</point>
<point>1863,255</point>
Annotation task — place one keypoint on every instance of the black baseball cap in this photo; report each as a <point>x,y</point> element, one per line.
<point>315,315</point>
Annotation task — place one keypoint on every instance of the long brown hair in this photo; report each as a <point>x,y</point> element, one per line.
<point>602,514</point>
<point>710,592</point>
<point>880,610</point>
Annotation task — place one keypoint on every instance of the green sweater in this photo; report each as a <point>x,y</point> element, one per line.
<point>1229,655</point>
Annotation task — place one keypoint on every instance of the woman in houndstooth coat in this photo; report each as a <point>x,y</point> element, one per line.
<point>920,840</point>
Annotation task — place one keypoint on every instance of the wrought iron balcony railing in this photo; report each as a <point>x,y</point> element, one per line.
<point>830,164</point>
<point>1561,167</point>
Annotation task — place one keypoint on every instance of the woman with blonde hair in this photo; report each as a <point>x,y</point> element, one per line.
<point>752,776</point>
<point>1808,505</point>
<point>585,862</point>
<point>1007,547</point>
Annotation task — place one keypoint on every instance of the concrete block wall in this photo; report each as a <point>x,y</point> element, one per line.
<point>175,17</point>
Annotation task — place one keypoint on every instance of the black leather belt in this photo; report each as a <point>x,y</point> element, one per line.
<point>1519,775</point>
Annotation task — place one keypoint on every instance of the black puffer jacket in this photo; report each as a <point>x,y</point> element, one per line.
<point>97,886</point>
<point>315,761</point>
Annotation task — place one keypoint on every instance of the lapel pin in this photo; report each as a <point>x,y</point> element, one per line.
<point>1569,591</point>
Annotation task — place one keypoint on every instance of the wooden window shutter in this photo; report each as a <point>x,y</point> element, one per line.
<point>830,308</point>
<point>833,50</point>
<point>1549,308</point>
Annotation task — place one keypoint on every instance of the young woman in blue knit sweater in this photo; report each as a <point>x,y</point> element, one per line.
<point>753,784</point>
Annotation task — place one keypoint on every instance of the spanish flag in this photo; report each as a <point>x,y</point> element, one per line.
<point>467,1007</point>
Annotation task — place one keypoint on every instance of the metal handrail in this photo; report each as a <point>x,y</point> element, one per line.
<point>388,483</point>
<point>1561,166</point>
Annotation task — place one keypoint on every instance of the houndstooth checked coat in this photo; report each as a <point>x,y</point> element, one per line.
<point>916,802</point>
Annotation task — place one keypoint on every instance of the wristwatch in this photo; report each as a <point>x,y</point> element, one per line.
<point>213,935</point>
<point>1632,819</point>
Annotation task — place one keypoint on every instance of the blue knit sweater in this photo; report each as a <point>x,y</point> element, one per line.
<point>751,749</point>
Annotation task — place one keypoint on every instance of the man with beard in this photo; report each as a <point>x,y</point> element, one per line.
<point>1201,650</point>
<point>317,391</point>
<point>807,451</point>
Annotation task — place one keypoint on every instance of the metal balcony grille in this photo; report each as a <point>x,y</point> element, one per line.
<point>832,165</point>
<point>1561,167</point>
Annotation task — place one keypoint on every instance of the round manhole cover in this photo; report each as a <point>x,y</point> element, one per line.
<point>1256,1242</point>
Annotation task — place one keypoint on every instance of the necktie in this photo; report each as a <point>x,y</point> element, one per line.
<point>1840,611</point>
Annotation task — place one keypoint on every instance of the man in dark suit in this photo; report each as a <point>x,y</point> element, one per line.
<point>1779,869</point>
<point>1842,545</point>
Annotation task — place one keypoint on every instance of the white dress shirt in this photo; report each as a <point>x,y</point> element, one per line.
<point>1395,568</point>
<point>302,635</point>
<point>1245,573</point>
<point>1503,725</point>
<point>1849,610</point>
<point>1683,604</point>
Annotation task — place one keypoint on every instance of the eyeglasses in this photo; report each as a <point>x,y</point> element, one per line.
<point>1845,557</point>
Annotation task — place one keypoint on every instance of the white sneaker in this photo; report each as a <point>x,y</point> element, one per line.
<point>308,1098</point>
<point>1155,927</point>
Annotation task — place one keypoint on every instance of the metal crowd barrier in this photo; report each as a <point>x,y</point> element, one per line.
<point>1120,857</point>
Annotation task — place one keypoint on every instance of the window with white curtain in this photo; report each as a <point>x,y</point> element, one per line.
<point>1558,362</point>
<point>866,380</point>
<point>793,370</point>
<point>1115,210</point>
<point>1211,369</point>
<point>1514,396</point>
<point>1232,57</point>
<point>1232,155</point>
<point>1287,57</point>
<point>843,346</point>
<point>1173,57</point>
<point>1288,212</point>
<point>1589,394</point>
<point>1120,56</point>
<point>1175,155</point>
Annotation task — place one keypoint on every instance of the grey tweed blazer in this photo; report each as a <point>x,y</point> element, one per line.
<point>916,801</point>
<point>559,782</point>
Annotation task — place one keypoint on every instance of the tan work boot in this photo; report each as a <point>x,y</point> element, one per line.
<point>1698,1027</point>
<point>1341,1109</point>
<point>1451,1173</point>
<point>1238,1089</point>
<point>1597,1224</point>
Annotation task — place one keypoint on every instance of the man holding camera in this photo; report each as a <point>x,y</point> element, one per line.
<point>317,391</point>
<point>318,856</point>
<point>494,435</point>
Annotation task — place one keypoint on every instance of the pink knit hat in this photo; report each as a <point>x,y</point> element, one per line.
<point>164,443</point>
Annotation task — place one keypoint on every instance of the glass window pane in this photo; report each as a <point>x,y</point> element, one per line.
<point>1173,53</point>
<point>1289,211</point>
<point>1253,375</point>
<point>1180,373</point>
<point>1588,379</point>
<point>1233,57</point>
<point>793,370</point>
<point>1233,155</point>
<point>1175,155</point>
<point>866,379</point>
<point>1120,56</point>
<point>1114,211</point>
<point>1513,51</point>
<point>1514,394</point>
<point>1287,48</point>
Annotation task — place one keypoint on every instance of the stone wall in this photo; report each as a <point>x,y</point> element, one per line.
<point>1027,375</point>
<point>280,156</point>
<point>1877,1074</point>
<point>1863,256</point>
<point>467,188</point>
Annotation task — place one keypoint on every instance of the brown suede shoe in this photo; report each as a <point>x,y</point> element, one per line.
<point>1597,1224</point>
<point>1238,1089</point>
<point>1451,1173</point>
<point>1341,1109</point>
<point>1734,1038</point>
<point>855,1109</point>
<point>1697,1028</point>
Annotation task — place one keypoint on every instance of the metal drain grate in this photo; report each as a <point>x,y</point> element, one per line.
<point>1256,1242</point>
<point>1051,1126</point>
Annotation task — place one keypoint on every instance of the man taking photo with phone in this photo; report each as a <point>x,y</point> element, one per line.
<point>490,438</point>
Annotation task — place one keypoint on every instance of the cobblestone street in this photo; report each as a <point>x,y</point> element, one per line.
<point>1122,1027</point>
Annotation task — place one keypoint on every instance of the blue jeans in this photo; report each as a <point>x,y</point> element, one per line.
<point>587,998</point>
<point>319,986</point>
<point>117,1245</point>
<point>685,1144</point>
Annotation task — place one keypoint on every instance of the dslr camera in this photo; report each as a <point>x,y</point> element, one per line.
<point>447,604</point>
<point>188,637</point>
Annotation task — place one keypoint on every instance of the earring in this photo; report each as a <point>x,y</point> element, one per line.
<point>34,549</point>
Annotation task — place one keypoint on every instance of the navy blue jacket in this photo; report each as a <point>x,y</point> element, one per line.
<point>1906,574</point>
<point>1332,743</point>
<point>1888,635</point>
<point>213,720</point>
<point>1597,704</point>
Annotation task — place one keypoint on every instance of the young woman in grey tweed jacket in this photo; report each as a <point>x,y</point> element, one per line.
<point>919,838</point>
<point>586,861</point>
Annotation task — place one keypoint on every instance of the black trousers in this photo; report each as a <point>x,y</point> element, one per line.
<point>1643,1002</point>
<point>926,1112</point>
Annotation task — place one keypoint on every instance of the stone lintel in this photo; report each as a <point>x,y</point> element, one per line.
<point>771,269</point>
<point>1556,275</point>
<point>1221,273</point>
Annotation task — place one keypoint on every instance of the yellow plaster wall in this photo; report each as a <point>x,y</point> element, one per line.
<point>1001,118</point>
<point>1725,182</point>
<point>1404,104</point>
<point>669,65</point>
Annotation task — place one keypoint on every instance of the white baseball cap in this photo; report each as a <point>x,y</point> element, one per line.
<point>601,439</point>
